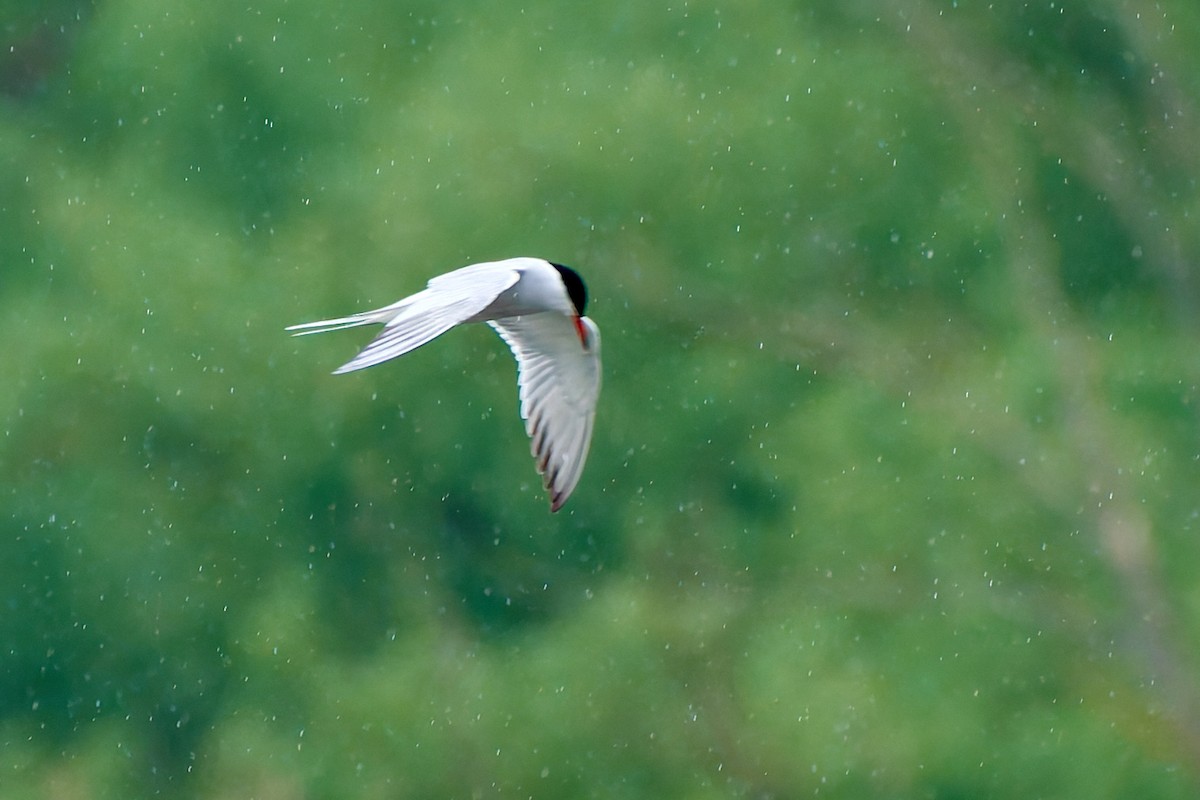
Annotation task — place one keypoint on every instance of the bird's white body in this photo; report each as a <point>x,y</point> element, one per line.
<point>537,308</point>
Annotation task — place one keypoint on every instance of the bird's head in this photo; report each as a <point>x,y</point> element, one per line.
<point>576,290</point>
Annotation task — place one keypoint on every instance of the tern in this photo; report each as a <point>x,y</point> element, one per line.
<point>537,308</point>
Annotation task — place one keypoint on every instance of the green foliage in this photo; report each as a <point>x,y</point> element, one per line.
<point>893,488</point>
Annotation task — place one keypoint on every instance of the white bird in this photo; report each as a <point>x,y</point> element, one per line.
<point>537,308</point>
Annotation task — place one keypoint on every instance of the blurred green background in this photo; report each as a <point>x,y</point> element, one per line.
<point>895,487</point>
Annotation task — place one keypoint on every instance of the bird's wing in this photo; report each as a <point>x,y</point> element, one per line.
<point>447,300</point>
<point>559,384</point>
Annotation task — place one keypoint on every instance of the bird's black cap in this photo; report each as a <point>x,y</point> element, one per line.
<point>575,288</point>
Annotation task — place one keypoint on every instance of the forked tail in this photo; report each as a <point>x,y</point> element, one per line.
<point>341,323</point>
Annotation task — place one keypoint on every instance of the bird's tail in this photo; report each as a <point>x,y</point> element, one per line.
<point>326,325</point>
<point>378,316</point>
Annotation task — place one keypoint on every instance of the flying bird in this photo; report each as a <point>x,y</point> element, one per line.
<point>537,308</point>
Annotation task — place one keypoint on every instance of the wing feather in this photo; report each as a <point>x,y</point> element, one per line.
<point>559,382</point>
<point>446,301</point>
